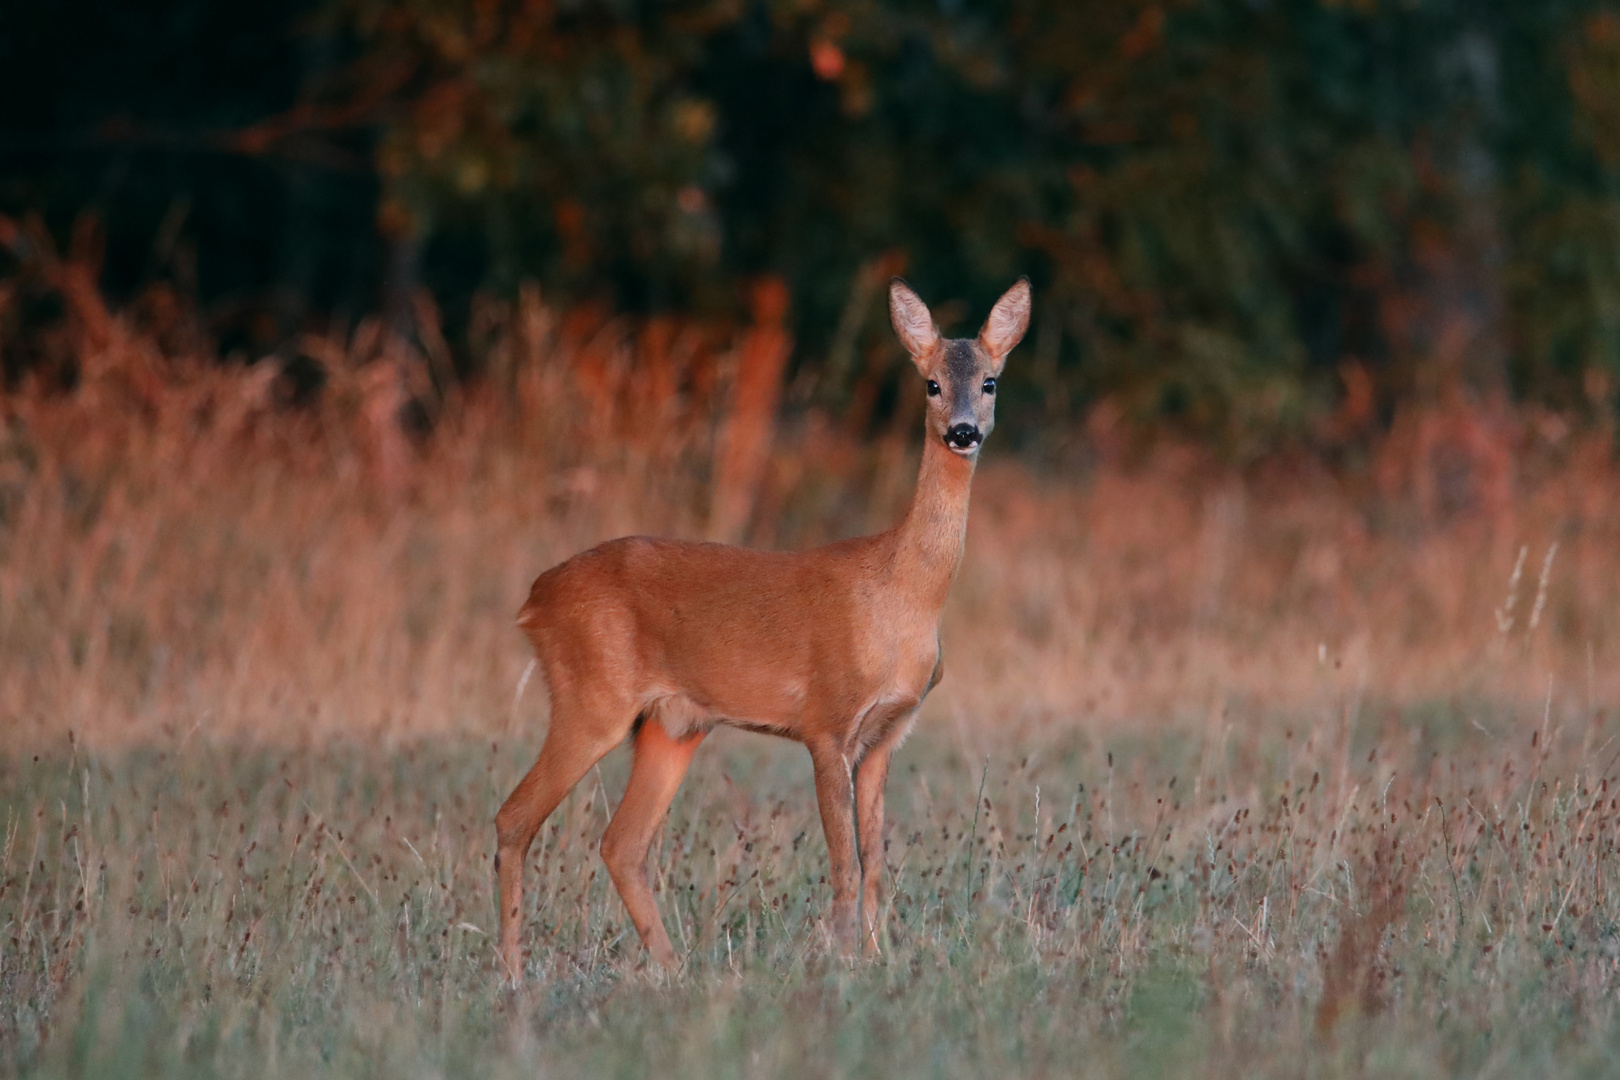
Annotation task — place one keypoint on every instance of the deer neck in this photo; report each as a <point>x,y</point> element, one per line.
<point>931,538</point>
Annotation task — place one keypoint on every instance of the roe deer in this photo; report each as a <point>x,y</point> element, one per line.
<point>835,647</point>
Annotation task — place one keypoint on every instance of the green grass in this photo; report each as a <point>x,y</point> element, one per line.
<point>1337,903</point>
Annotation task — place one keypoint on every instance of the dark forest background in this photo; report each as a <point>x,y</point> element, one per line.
<point>1261,221</point>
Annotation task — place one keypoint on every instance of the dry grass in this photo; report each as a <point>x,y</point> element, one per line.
<point>179,546</point>
<point>1345,902</point>
<point>1270,772</point>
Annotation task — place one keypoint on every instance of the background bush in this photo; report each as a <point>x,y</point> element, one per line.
<point>1241,215</point>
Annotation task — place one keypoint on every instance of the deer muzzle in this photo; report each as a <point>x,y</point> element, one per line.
<point>963,437</point>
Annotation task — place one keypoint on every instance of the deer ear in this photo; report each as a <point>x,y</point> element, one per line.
<point>912,322</point>
<point>1007,322</point>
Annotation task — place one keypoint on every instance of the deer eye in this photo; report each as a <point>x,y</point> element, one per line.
<point>989,386</point>
<point>933,388</point>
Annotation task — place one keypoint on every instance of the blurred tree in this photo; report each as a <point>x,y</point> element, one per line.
<point>1225,202</point>
<point>1239,214</point>
<point>146,115</point>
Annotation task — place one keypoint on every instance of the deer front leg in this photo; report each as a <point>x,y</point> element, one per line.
<point>869,781</point>
<point>834,791</point>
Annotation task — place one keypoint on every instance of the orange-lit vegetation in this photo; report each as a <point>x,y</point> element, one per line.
<point>181,541</point>
<point>1228,767</point>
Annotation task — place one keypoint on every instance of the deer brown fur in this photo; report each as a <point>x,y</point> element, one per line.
<point>836,648</point>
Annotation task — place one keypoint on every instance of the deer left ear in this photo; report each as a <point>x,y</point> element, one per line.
<point>1007,322</point>
<point>912,322</point>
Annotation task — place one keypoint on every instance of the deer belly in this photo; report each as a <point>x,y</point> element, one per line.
<point>679,715</point>
<point>765,705</point>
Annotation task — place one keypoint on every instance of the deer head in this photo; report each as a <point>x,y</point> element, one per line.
<point>961,373</point>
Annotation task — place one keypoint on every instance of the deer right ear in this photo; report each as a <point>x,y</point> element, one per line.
<point>912,322</point>
<point>1007,322</point>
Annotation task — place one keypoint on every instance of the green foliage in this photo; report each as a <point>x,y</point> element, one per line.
<point>1221,201</point>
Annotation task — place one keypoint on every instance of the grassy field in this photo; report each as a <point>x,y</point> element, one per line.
<point>1400,897</point>
<point>1270,772</point>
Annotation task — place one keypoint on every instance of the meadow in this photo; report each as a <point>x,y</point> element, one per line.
<point>1274,771</point>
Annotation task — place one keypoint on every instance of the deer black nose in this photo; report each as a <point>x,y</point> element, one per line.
<point>963,436</point>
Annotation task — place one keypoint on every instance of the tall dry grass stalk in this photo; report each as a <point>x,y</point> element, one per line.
<point>747,430</point>
<point>184,550</point>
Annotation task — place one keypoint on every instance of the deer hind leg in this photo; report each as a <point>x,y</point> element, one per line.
<point>580,735</point>
<point>660,764</point>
